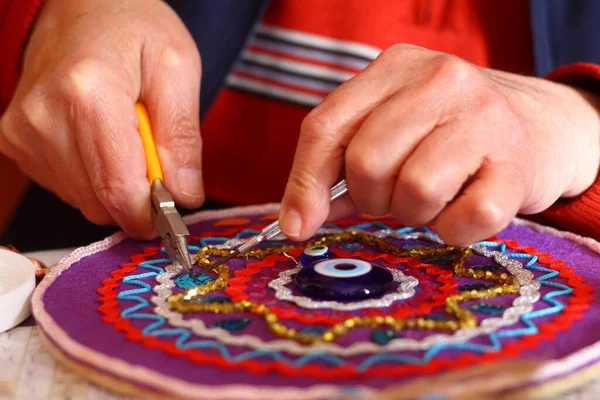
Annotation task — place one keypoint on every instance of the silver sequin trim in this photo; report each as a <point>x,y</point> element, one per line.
<point>405,290</point>
<point>528,295</point>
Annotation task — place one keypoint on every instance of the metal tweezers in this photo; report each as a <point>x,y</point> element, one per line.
<point>267,233</point>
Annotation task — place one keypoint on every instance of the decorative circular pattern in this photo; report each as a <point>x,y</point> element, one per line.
<point>529,290</point>
<point>405,290</point>
<point>343,268</point>
<point>316,250</point>
<point>493,302</point>
<point>343,279</point>
<point>314,253</point>
<point>254,281</point>
<point>522,305</point>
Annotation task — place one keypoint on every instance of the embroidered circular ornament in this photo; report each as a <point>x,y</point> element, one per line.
<point>518,308</point>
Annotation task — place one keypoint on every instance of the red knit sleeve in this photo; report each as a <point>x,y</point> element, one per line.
<point>16,20</point>
<point>581,214</point>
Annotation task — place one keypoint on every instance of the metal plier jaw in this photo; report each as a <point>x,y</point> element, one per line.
<point>170,226</point>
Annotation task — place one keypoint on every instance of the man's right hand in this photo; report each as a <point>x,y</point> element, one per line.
<point>72,124</point>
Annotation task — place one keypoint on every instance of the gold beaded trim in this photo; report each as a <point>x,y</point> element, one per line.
<point>506,284</point>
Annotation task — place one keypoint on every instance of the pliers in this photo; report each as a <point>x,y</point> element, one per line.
<point>165,217</point>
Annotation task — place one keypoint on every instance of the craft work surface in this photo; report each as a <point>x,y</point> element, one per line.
<point>520,306</point>
<point>17,281</point>
<point>29,372</point>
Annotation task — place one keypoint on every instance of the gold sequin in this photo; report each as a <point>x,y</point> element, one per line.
<point>506,284</point>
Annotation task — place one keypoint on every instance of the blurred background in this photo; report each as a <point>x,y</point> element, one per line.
<point>31,218</point>
<point>14,185</point>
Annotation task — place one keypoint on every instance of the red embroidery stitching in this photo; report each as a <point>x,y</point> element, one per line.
<point>422,304</point>
<point>572,312</point>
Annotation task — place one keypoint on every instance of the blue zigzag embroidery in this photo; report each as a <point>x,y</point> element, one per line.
<point>183,335</point>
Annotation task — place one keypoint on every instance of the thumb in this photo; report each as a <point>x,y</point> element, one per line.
<point>171,92</point>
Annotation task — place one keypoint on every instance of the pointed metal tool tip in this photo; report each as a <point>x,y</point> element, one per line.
<point>215,264</point>
<point>186,262</point>
<point>184,256</point>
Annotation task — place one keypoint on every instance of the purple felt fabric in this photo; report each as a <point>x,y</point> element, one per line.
<point>72,303</point>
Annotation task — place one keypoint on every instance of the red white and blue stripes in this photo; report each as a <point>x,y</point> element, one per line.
<point>297,67</point>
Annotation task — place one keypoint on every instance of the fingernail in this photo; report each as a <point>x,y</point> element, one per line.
<point>291,223</point>
<point>189,182</point>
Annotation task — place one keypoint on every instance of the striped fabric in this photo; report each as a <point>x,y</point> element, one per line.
<point>302,50</point>
<point>297,67</point>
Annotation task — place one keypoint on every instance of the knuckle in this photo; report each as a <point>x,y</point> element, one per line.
<point>487,215</point>
<point>318,124</point>
<point>82,80</point>
<point>34,109</point>
<point>397,54</point>
<point>454,71</point>
<point>176,58</point>
<point>11,129</point>
<point>363,165</point>
<point>418,187</point>
<point>397,50</point>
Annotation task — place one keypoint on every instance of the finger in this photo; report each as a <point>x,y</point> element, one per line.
<point>36,169</point>
<point>382,144</point>
<point>17,128</point>
<point>324,136</point>
<point>486,207</point>
<point>14,132</point>
<point>48,122</point>
<point>79,186</point>
<point>104,121</point>
<point>6,147</point>
<point>341,207</point>
<point>434,173</point>
<point>171,91</point>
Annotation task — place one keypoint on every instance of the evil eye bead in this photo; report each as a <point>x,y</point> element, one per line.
<point>343,279</point>
<point>344,268</point>
<point>315,253</point>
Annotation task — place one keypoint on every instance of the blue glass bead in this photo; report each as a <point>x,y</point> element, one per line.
<point>315,253</point>
<point>231,325</point>
<point>213,299</point>
<point>383,336</point>
<point>313,330</point>
<point>352,246</point>
<point>343,279</point>
<point>491,309</point>
<point>185,281</point>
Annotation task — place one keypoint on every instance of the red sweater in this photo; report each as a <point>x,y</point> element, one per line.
<point>302,51</point>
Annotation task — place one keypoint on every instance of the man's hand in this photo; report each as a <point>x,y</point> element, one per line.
<point>72,124</point>
<point>430,137</point>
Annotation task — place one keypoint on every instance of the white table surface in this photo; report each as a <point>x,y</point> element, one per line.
<point>29,372</point>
